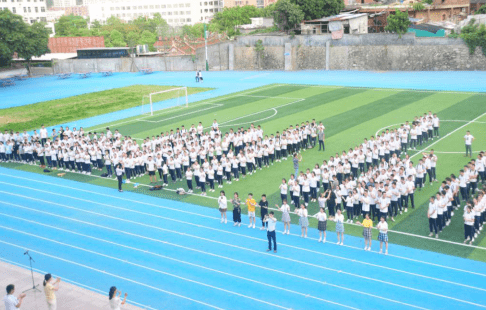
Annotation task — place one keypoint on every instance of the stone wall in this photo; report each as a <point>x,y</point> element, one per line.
<point>381,52</point>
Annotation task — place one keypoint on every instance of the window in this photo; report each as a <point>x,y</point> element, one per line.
<point>188,5</point>
<point>157,6</point>
<point>169,6</point>
<point>139,7</point>
<point>170,20</point>
<point>123,15</point>
<point>14,10</point>
<point>210,2</point>
<point>134,7</point>
<point>216,10</point>
<point>117,15</point>
<point>181,13</point>
<point>145,7</point>
<point>129,14</point>
<point>112,8</point>
<point>188,20</point>
<point>36,9</point>
<point>152,7</point>
<point>176,13</point>
<point>211,10</point>
<point>205,10</point>
<point>164,13</point>
<point>169,13</point>
<point>43,19</point>
<point>205,3</point>
<point>188,12</point>
<point>163,6</point>
<point>128,8</point>
<point>123,8</point>
<point>176,20</point>
<point>25,10</point>
<point>117,8</point>
<point>181,5</point>
<point>182,20</point>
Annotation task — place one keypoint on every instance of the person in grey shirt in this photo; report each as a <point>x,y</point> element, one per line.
<point>321,136</point>
<point>296,161</point>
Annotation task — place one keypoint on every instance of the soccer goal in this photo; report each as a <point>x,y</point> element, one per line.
<point>177,97</point>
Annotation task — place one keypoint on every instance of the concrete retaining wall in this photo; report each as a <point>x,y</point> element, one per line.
<point>382,52</point>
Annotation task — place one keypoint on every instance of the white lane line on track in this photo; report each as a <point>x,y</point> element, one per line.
<point>64,279</point>
<point>149,268</point>
<point>352,224</point>
<point>253,238</point>
<point>110,274</point>
<point>217,218</point>
<point>193,250</point>
<point>179,261</point>
<point>250,250</point>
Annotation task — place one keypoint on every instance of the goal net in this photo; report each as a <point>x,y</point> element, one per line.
<point>174,97</point>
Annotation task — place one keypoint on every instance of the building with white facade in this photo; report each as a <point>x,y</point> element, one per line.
<point>31,10</point>
<point>175,12</point>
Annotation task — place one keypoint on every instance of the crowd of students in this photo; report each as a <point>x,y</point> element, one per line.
<point>466,188</point>
<point>201,158</point>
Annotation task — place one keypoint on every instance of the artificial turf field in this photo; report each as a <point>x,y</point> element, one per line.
<point>350,115</point>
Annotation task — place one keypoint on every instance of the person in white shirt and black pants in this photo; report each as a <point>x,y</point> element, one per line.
<point>272,223</point>
<point>432,215</point>
<point>12,302</point>
<point>119,175</point>
<point>468,138</point>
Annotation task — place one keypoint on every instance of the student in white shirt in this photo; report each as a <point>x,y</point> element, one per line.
<point>271,235</point>
<point>339,219</point>
<point>223,206</point>
<point>303,220</point>
<point>468,139</point>
<point>383,235</point>
<point>115,300</point>
<point>12,302</point>
<point>322,224</point>
<point>468,224</point>
<point>285,209</point>
<point>432,215</point>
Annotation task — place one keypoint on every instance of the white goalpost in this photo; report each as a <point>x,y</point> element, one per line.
<point>179,94</point>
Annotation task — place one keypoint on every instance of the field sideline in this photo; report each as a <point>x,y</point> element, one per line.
<point>350,115</point>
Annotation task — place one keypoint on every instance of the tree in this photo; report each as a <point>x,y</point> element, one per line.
<point>482,10</point>
<point>12,35</point>
<point>259,49</point>
<point>116,39</point>
<point>133,38</point>
<point>229,18</point>
<point>418,6</point>
<point>474,36</point>
<point>428,1</point>
<point>96,25</point>
<point>148,38</point>
<point>398,23</point>
<point>194,31</point>
<point>314,9</point>
<point>70,25</point>
<point>35,43</point>
<point>287,15</point>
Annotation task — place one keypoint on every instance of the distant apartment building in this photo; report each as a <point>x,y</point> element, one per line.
<point>31,10</point>
<point>175,12</point>
<point>257,3</point>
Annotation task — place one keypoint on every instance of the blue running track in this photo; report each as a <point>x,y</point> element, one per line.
<point>172,255</point>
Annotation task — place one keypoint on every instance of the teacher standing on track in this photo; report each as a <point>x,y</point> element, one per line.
<point>297,158</point>
<point>271,235</point>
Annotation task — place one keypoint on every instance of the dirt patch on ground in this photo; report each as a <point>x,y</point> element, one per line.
<point>5,120</point>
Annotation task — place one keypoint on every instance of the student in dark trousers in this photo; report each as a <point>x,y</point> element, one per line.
<point>320,136</point>
<point>263,210</point>
<point>236,209</point>
<point>271,235</point>
<point>119,175</point>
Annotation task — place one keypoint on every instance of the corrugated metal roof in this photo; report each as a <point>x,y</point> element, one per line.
<point>337,17</point>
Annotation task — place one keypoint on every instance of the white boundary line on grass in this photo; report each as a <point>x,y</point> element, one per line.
<point>205,101</point>
<point>64,279</point>
<point>264,253</point>
<point>110,274</point>
<point>214,105</point>
<point>240,235</point>
<point>447,135</point>
<point>201,215</point>
<point>192,264</point>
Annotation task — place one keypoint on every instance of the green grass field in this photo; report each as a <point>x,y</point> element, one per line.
<point>54,112</point>
<point>350,115</point>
